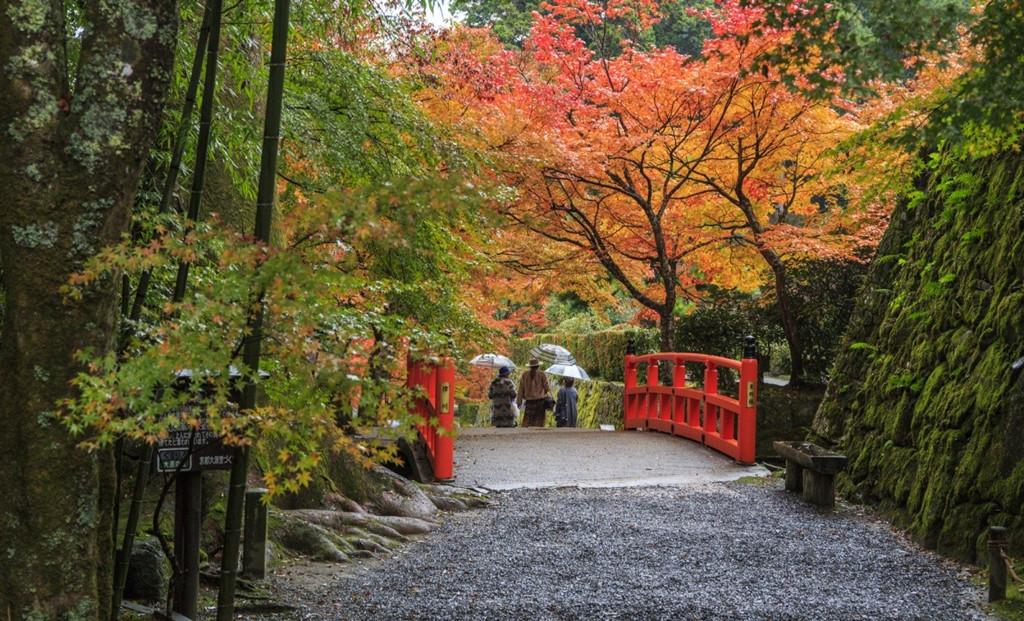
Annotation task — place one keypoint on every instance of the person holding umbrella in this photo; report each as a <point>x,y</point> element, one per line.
<point>535,392</point>
<point>565,404</point>
<point>502,393</point>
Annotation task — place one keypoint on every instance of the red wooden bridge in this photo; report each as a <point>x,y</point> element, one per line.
<point>679,406</point>
<point>695,411</point>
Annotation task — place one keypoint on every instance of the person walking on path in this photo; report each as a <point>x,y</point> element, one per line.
<point>502,393</point>
<point>535,392</point>
<point>565,404</point>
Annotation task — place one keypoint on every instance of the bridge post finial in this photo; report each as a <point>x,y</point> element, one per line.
<point>749,347</point>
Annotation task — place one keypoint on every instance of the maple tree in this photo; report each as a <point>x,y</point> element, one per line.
<point>664,170</point>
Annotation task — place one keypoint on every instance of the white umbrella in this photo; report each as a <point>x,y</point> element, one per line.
<point>552,354</point>
<point>492,361</point>
<point>568,370</point>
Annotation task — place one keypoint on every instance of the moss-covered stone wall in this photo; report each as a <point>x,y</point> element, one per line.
<point>924,398</point>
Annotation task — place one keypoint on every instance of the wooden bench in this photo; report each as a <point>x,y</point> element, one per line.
<point>811,470</point>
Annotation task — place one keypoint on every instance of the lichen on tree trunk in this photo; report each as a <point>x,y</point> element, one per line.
<point>924,398</point>
<point>72,149</point>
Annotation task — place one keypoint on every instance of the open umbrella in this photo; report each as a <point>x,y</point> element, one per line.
<point>552,354</point>
<point>492,361</point>
<point>568,370</point>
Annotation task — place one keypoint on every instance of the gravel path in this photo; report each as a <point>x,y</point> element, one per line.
<point>535,457</point>
<point>712,551</point>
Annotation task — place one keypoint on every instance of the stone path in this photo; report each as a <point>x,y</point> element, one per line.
<point>531,458</point>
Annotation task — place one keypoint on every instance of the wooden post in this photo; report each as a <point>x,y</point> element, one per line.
<point>794,476</point>
<point>254,537</point>
<point>996,563</point>
<point>188,523</point>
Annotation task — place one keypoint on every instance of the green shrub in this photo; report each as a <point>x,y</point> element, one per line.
<point>822,294</point>
<point>474,413</point>
<point>601,353</point>
<point>719,322</point>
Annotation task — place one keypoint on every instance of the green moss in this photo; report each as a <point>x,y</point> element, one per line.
<point>42,235</point>
<point>139,22</point>
<point>29,15</point>
<point>86,227</point>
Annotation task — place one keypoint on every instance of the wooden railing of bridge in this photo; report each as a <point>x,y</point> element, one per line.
<point>697,412</point>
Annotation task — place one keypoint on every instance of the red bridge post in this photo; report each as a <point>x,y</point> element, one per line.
<point>435,410</point>
<point>748,402</point>
<point>710,388</point>
<point>444,459</point>
<point>678,402</point>
<point>652,400</point>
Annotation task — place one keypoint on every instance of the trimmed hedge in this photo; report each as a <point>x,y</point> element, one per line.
<point>599,403</point>
<point>601,353</point>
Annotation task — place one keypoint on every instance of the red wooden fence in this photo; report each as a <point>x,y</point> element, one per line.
<point>436,410</point>
<point>699,413</point>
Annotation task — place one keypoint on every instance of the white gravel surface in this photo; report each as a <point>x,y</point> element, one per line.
<point>704,552</point>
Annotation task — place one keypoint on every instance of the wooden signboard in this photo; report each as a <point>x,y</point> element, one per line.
<point>207,452</point>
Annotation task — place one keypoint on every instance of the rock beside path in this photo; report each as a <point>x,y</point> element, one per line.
<point>715,551</point>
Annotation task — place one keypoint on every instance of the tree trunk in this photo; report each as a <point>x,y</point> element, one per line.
<point>71,162</point>
<point>666,325</point>
<point>789,328</point>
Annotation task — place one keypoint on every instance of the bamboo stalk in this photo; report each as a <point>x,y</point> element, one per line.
<point>179,150</point>
<point>123,555</point>
<point>251,351</point>
<point>203,142</point>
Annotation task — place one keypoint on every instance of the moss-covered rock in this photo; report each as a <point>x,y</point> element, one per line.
<point>923,397</point>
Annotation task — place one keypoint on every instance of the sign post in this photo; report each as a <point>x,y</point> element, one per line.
<point>186,452</point>
<point>188,522</point>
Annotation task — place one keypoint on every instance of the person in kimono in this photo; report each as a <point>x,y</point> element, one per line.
<point>534,394</point>
<point>502,393</point>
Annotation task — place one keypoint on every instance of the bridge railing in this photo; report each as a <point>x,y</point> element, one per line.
<point>697,412</point>
<point>435,411</point>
